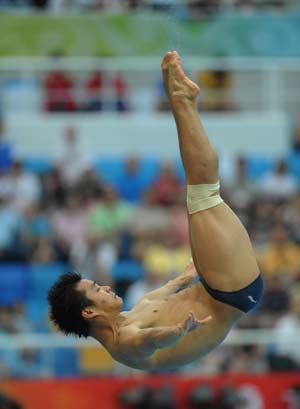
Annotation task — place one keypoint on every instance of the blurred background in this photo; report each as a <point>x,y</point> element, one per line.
<point>91,181</point>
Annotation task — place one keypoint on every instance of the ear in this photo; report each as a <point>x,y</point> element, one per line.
<point>88,313</point>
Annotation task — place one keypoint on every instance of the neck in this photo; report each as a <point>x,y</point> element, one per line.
<point>105,330</point>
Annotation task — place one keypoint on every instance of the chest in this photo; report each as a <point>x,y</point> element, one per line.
<point>167,311</point>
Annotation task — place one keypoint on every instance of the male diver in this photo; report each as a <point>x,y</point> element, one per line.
<point>183,320</point>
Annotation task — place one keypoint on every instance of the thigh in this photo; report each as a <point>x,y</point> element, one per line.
<point>221,249</point>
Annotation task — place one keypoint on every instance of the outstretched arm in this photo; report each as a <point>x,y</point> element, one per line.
<point>146,341</point>
<point>174,285</point>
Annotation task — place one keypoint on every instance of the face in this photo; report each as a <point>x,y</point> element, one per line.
<point>104,300</point>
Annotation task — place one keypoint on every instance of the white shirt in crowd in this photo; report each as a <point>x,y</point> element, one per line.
<point>278,186</point>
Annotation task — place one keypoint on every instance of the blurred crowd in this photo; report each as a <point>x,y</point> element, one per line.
<point>132,234</point>
<point>92,93</point>
<point>98,91</point>
<point>185,9</point>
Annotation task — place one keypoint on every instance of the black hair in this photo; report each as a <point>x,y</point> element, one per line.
<point>66,304</point>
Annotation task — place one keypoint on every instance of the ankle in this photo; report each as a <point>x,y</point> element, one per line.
<point>183,104</point>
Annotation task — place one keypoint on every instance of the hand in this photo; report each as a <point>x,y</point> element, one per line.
<point>186,278</point>
<point>191,323</point>
<point>163,337</point>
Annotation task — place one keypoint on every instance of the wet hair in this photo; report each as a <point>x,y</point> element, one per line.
<point>66,304</point>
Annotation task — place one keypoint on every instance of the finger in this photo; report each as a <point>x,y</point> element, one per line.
<point>190,321</point>
<point>204,320</point>
<point>179,329</point>
<point>199,323</point>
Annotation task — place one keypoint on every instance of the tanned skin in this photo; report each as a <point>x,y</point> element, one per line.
<point>180,322</point>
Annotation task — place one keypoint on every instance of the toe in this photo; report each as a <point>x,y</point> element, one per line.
<point>166,60</point>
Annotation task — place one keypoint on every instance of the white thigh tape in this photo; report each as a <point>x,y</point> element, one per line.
<point>202,197</point>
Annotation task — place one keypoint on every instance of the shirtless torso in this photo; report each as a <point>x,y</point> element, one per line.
<point>173,309</point>
<point>147,337</point>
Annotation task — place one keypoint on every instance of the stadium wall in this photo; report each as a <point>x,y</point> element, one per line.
<point>266,391</point>
<point>107,134</point>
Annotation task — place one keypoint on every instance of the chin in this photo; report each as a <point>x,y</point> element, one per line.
<point>119,302</point>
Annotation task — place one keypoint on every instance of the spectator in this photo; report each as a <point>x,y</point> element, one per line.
<point>241,191</point>
<point>178,221</point>
<point>120,90</point>
<point>292,217</point>
<point>149,219</point>
<point>69,222</point>
<point>25,185</point>
<point>58,88</point>
<point>6,402</point>
<point>281,256</point>
<point>34,226</point>
<point>93,92</point>
<point>202,8</point>
<point>20,320</point>
<point>72,160</point>
<point>287,326</point>
<point>217,91</point>
<point>6,152</point>
<point>108,217</point>
<point>7,324</point>
<point>246,6</point>
<point>6,186</point>
<point>44,252</point>
<point>276,300</point>
<point>24,363</point>
<point>260,222</point>
<point>279,184</point>
<point>131,184</point>
<point>139,288</point>
<point>167,186</point>
<point>248,359</point>
<point>10,222</point>
<point>166,258</point>
<point>53,189</point>
<point>90,186</point>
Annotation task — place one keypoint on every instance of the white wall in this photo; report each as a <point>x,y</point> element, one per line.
<point>107,134</point>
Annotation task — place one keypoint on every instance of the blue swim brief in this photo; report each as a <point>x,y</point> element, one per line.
<point>245,299</point>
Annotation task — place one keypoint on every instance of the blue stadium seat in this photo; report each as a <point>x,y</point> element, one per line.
<point>150,166</point>
<point>13,283</point>
<point>36,310</point>
<point>38,165</point>
<point>65,362</point>
<point>128,270</point>
<point>42,276</point>
<point>109,168</point>
<point>180,170</point>
<point>293,163</point>
<point>258,166</point>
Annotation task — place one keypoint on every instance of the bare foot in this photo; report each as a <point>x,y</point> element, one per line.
<point>179,87</point>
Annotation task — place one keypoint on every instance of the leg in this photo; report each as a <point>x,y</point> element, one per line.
<point>221,248</point>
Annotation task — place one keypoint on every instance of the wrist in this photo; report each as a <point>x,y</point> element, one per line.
<point>173,284</point>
